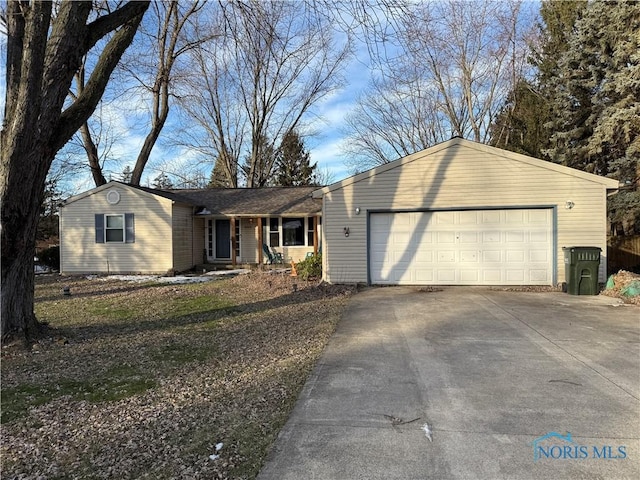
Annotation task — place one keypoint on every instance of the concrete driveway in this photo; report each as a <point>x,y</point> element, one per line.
<point>470,383</point>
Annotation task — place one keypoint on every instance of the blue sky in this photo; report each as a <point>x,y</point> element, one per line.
<point>327,123</point>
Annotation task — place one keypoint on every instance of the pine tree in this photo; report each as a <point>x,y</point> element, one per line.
<point>596,102</point>
<point>162,181</point>
<point>520,125</point>
<point>293,166</point>
<point>524,124</point>
<point>596,111</point>
<point>219,177</point>
<point>126,175</point>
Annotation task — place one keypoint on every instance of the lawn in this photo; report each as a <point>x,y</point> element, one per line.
<point>146,380</point>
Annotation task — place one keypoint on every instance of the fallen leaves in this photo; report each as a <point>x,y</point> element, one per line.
<point>227,364</point>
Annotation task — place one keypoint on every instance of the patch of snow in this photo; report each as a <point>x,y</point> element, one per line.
<point>219,446</point>
<point>159,279</point>
<point>239,271</point>
<point>427,432</point>
<point>38,269</point>
<point>214,457</point>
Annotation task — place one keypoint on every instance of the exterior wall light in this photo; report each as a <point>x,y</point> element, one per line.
<point>569,205</point>
<point>357,210</point>
<point>346,231</point>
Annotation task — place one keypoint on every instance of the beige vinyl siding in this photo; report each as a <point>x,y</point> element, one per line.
<point>199,254</point>
<point>182,227</point>
<point>151,252</point>
<point>453,178</point>
<point>248,240</point>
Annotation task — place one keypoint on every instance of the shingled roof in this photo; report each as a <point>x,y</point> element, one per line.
<point>256,202</point>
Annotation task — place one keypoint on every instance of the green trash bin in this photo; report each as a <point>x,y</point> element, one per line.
<point>581,265</point>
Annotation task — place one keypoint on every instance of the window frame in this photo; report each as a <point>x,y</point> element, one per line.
<point>128,227</point>
<point>300,231</point>
<point>122,229</point>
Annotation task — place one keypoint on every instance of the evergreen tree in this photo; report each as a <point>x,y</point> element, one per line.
<point>596,109</point>
<point>126,175</point>
<point>162,181</point>
<point>524,123</point>
<point>258,166</point>
<point>520,124</point>
<point>293,166</point>
<point>219,177</point>
<point>596,102</point>
<point>49,220</point>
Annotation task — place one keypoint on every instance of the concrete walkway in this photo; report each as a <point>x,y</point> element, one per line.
<point>462,383</point>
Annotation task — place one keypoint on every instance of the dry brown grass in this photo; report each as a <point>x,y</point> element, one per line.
<point>142,381</point>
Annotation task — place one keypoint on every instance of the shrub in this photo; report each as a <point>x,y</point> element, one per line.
<point>50,257</point>
<point>310,267</point>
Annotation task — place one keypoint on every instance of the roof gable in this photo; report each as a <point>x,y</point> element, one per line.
<point>458,142</point>
<point>139,190</point>
<point>229,201</point>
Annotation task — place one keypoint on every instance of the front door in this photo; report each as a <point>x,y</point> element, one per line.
<point>223,238</point>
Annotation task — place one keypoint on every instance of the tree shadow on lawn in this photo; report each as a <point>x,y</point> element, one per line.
<point>80,292</point>
<point>117,328</point>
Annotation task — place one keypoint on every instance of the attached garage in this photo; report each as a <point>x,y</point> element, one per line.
<point>462,247</point>
<point>461,213</point>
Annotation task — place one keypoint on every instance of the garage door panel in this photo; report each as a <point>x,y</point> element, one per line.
<point>516,217</point>
<point>539,236</point>
<point>446,256</point>
<point>491,247</point>
<point>446,276</point>
<point>444,218</point>
<point>515,256</point>
<point>492,276</point>
<point>491,237</point>
<point>467,256</point>
<point>515,276</point>
<point>469,217</point>
<point>443,238</point>
<point>492,256</point>
<point>468,237</point>
<point>515,237</point>
<point>469,277</point>
<point>539,256</point>
<point>538,276</point>
<point>490,216</point>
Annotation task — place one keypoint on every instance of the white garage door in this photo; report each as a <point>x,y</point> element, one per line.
<point>467,247</point>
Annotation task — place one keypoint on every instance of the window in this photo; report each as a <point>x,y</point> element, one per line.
<point>210,237</point>
<point>310,230</point>
<point>114,228</point>
<point>237,232</point>
<point>274,236</point>
<point>293,231</point>
<point>111,228</point>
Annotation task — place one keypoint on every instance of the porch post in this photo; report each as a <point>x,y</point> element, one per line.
<point>315,235</point>
<point>234,241</point>
<point>260,241</point>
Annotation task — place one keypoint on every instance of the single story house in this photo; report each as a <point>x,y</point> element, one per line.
<point>458,213</point>
<point>120,228</point>
<point>461,213</point>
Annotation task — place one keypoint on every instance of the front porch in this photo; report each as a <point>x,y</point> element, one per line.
<point>229,241</point>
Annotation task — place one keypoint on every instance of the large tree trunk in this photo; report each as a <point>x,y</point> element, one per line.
<point>42,57</point>
<point>20,212</point>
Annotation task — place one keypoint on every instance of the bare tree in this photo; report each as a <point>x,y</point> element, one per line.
<point>165,35</point>
<point>43,53</point>
<point>169,42</point>
<point>259,80</point>
<point>445,71</point>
